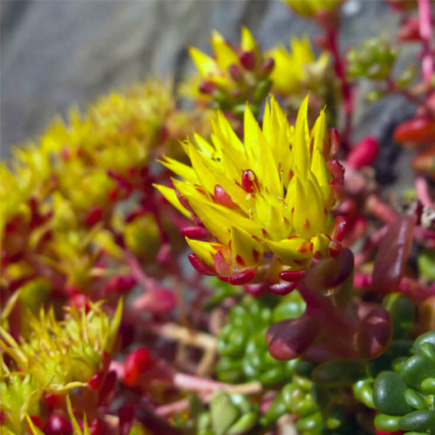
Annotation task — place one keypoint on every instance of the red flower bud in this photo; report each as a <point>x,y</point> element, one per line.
<point>248,60</point>
<point>94,216</point>
<point>243,277</point>
<point>249,181</point>
<point>207,87</point>
<point>364,153</point>
<point>282,288</point>
<point>200,265</point>
<point>417,130</point>
<point>57,425</point>
<point>195,232</point>
<point>95,382</point>
<point>223,198</point>
<point>137,362</point>
<point>235,72</point>
<point>291,275</point>
<point>410,30</point>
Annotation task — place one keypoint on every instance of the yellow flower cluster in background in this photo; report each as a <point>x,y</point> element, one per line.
<point>311,8</point>
<point>269,193</point>
<point>296,70</point>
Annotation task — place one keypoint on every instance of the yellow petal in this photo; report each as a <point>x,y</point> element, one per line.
<point>289,250</point>
<point>204,250</point>
<point>301,140</point>
<point>171,196</point>
<point>248,42</point>
<point>245,249</point>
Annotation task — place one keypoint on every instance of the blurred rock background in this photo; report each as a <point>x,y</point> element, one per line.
<point>59,53</point>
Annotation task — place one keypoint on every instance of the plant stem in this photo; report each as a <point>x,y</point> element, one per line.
<point>206,397</point>
<point>424,16</point>
<point>139,275</point>
<point>172,331</point>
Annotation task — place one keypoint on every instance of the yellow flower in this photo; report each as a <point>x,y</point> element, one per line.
<point>265,198</point>
<point>62,355</point>
<point>293,71</point>
<point>231,76</point>
<point>311,8</point>
<point>18,396</point>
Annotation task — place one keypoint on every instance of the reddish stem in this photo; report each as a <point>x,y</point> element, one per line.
<point>423,192</point>
<point>331,35</point>
<point>139,275</point>
<point>427,63</point>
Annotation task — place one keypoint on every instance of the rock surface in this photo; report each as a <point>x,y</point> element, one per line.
<point>55,54</point>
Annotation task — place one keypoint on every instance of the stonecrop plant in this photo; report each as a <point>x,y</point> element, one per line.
<point>234,268</point>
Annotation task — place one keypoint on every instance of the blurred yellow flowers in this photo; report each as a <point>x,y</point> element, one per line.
<point>311,8</point>
<point>266,197</point>
<point>297,69</point>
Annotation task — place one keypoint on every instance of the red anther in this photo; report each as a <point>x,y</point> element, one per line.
<point>241,278</point>
<point>334,138</point>
<point>164,133</point>
<point>249,181</point>
<point>410,30</point>
<point>292,275</point>
<point>248,60</point>
<point>267,66</point>
<point>334,249</point>
<point>107,387</point>
<point>207,87</point>
<point>200,265</point>
<point>3,418</point>
<point>417,130</point>
<point>120,284</point>
<point>337,170</point>
<point>94,216</point>
<point>57,425</point>
<point>136,363</point>
<point>235,72</point>
<point>54,401</point>
<point>195,232</point>
<point>254,289</point>
<point>220,265</point>
<point>341,225</point>
<point>282,288</point>
<point>223,198</point>
<point>95,382</point>
<point>364,153</point>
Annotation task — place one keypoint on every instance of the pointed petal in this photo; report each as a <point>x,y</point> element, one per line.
<point>245,249</point>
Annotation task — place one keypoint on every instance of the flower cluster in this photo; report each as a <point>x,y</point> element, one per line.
<point>266,200</point>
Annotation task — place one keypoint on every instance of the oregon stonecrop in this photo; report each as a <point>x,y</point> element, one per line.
<point>265,201</point>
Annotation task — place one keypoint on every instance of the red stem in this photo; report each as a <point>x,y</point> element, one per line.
<point>424,16</point>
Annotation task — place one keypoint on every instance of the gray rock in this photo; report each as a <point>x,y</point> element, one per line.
<point>55,54</point>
